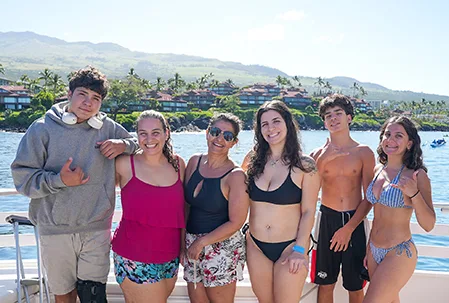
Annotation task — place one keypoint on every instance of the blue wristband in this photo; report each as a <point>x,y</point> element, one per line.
<point>299,249</point>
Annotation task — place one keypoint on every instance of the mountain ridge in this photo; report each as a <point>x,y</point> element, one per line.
<point>29,52</point>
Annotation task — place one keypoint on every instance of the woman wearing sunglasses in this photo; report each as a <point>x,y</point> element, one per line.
<point>283,187</point>
<point>215,192</point>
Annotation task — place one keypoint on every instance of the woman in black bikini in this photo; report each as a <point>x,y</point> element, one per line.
<point>283,187</point>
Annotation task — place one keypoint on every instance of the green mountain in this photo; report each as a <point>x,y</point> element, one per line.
<point>29,53</point>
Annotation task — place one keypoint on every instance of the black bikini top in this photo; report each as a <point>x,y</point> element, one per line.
<point>286,194</point>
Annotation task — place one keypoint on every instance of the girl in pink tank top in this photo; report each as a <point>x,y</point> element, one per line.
<point>147,242</point>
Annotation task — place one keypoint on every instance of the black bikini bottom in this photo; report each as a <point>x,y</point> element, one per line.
<point>272,251</point>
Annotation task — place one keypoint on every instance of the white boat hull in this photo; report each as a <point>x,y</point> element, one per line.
<point>424,286</point>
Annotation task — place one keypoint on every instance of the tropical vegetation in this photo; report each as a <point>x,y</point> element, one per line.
<point>132,88</point>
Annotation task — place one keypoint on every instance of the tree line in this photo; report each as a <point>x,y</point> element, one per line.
<point>132,88</point>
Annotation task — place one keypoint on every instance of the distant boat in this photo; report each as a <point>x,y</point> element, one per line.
<point>438,143</point>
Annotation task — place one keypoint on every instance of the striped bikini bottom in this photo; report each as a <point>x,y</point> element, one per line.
<point>379,253</point>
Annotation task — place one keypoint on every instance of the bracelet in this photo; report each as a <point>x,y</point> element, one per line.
<point>411,197</point>
<point>299,249</point>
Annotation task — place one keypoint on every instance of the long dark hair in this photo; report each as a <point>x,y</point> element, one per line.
<point>413,158</point>
<point>167,150</point>
<point>291,154</point>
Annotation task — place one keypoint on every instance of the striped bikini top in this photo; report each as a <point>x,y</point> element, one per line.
<point>389,196</point>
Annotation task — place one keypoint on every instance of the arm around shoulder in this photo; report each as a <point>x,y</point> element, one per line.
<point>131,143</point>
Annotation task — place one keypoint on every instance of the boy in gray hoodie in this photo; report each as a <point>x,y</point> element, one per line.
<point>65,164</point>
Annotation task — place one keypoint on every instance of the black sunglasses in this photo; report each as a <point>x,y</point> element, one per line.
<point>227,135</point>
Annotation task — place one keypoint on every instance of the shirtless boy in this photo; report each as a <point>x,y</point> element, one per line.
<point>346,169</point>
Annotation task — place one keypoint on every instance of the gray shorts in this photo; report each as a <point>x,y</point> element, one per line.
<point>70,257</point>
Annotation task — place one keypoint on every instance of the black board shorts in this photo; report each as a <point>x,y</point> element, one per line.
<point>325,266</point>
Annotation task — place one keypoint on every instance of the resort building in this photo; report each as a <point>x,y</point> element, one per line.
<point>361,105</point>
<point>4,81</point>
<point>14,97</point>
<point>167,102</point>
<point>224,89</point>
<point>200,98</point>
<point>257,94</point>
<point>296,97</point>
<point>377,104</point>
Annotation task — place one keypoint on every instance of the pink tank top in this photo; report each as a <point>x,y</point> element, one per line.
<point>152,220</point>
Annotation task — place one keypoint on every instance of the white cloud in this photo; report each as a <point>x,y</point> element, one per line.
<point>292,15</point>
<point>331,39</point>
<point>268,32</point>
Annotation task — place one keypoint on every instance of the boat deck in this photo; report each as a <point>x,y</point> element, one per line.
<point>424,286</point>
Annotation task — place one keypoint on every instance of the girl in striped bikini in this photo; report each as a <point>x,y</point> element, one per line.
<point>400,186</point>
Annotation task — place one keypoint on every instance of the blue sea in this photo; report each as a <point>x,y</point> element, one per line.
<point>186,144</point>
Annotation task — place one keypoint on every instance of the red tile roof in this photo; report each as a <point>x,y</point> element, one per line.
<point>13,88</point>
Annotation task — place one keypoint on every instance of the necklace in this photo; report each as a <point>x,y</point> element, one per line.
<point>274,162</point>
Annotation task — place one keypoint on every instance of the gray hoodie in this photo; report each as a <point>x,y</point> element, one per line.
<point>44,149</point>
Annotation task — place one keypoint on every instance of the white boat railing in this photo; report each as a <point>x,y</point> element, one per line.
<point>424,250</point>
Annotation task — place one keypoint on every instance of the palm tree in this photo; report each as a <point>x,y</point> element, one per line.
<point>214,83</point>
<point>132,74</point>
<point>160,84</point>
<point>297,80</point>
<point>362,91</point>
<point>355,87</point>
<point>192,85</point>
<point>69,76</point>
<point>414,106</point>
<point>230,82</point>
<point>2,69</point>
<point>24,81</point>
<point>145,83</point>
<point>35,86</point>
<point>279,81</point>
<point>57,85</point>
<point>287,82</point>
<point>176,82</point>
<point>202,81</point>
<point>45,75</point>
<point>320,82</point>
<point>328,86</point>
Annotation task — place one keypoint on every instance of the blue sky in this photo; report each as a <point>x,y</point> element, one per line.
<point>400,44</point>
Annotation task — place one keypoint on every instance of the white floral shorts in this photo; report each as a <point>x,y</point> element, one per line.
<point>219,264</point>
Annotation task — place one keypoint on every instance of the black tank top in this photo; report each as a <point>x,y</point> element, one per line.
<point>209,209</point>
<point>286,194</point>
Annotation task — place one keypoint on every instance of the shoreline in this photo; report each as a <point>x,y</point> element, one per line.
<point>193,131</point>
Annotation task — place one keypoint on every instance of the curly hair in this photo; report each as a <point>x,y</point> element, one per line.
<point>336,100</point>
<point>291,155</point>
<point>167,150</point>
<point>89,77</point>
<point>230,118</point>
<point>413,157</point>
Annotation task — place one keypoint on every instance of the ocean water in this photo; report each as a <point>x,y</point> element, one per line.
<point>187,144</point>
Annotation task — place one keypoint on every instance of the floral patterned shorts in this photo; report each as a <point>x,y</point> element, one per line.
<point>143,273</point>
<point>219,264</point>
